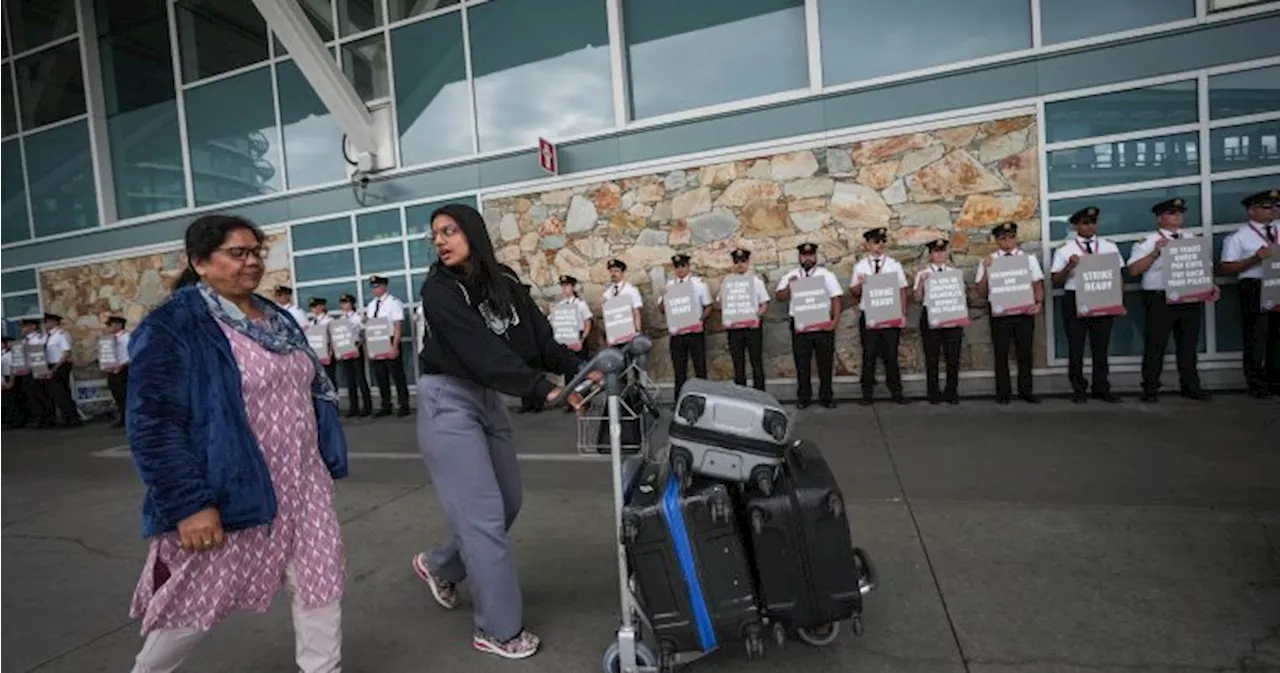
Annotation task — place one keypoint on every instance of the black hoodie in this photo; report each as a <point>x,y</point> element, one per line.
<point>464,338</point>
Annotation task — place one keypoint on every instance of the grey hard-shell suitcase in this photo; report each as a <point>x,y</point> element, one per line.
<point>729,432</point>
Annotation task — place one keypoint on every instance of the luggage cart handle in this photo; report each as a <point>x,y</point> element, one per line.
<point>610,362</point>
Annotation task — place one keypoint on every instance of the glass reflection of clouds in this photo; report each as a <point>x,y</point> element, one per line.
<point>231,128</point>
<point>432,97</point>
<point>540,70</point>
<point>312,137</point>
<point>684,56</point>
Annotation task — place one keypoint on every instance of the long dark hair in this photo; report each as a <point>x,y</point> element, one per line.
<point>486,274</point>
<point>204,236</point>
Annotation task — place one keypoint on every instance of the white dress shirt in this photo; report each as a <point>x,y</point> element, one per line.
<point>6,365</point>
<point>868,266</point>
<point>1037,273</point>
<point>298,314</point>
<point>1245,241</point>
<point>322,319</point>
<point>56,346</point>
<point>387,307</point>
<point>122,348</point>
<point>1154,279</point>
<point>829,279</point>
<point>923,275</point>
<point>1080,247</point>
<point>624,289</point>
<point>581,310</point>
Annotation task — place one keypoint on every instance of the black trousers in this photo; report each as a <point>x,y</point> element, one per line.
<point>685,347</point>
<point>18,401</point>
<point>810,346</point>
<point>940,342</point>
<point>60,392</point>
<point>118,384</point>
<point>1261,334</point>
<point>744,343</point>
<point>385,371</point>
<point>38,407</point>
<point>1097,331</point>
<point>357,384</point>
<point>1016,331</point>
<point>879,344</point>
<point>1163,319</point>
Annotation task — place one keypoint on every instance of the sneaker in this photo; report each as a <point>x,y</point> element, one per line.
<point>522,646</point>
<point>445,593</point>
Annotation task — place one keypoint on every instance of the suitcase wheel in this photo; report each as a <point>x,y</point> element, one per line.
<point>779,634</point>
<point>857,625</point>
<point>682,463</point>
<point>757,520</point>
<point>630,529</point>
<point>721,511</point>
<point>762,477</point>
<point>754,642</point>
<point>820,636</point>
<point>612,662</point>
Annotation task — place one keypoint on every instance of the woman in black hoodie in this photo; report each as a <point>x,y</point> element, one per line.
<point>484,337</point>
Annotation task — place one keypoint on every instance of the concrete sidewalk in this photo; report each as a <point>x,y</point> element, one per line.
<point>1050,538</point>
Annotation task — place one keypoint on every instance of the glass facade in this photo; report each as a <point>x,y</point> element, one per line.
<point>1158,156</point>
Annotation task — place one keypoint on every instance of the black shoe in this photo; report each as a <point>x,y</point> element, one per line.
<point>865,402</point>
<point>803,404</point>
<point>935,399</point>
<point>1196,394</point>
<point>1260,393</point>
<point>1002,400</point>
<point>830,404</point>
<point>404,411</point>
<point>1149,397</point>
<point>1030,399</point>
<point>354,413</point>
<point>901,399</point>
<point>1109,398</point>
<point>1079,398</point>
<point>953,399</point>
<point>382,412</point>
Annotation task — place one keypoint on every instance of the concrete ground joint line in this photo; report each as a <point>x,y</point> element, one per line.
<point>1164,667</point>
<point>72,650</point>
<point>924,548</point>
<point>76,541</point>
<point>371,510</point>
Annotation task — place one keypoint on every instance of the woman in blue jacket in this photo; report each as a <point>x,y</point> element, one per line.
<point>234,430</point>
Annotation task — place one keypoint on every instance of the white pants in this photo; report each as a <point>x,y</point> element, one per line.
<point>317,634</point>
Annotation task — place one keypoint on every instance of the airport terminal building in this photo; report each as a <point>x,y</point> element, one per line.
<point>679,126</point>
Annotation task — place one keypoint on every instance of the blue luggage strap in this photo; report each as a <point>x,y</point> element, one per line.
<point>688,565</point>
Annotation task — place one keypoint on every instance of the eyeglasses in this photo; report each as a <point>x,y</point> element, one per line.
<point>446,231</point>
<point>240,253</point>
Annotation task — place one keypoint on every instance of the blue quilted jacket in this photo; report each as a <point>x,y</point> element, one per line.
<point>187,426</point>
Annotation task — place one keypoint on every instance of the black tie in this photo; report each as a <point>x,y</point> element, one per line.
<point>1088,247</point>
<point>878,265</point>
<point>1008,254</point>
<point>1271,234</point>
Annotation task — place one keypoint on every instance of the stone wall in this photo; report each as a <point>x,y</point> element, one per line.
<point>85,296</point>
<point>953,182</point>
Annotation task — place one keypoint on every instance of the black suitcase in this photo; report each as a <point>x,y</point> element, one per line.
<point>810,575</point>
<point>691,573</point>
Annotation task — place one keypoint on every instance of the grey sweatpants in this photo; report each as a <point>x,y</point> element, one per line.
<point>465,436</point>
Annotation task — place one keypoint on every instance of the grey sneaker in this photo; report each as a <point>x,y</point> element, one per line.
<point>445,593</point>
<point>522,646</point>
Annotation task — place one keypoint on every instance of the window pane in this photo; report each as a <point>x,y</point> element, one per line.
<point>1124,213</point>
<point>541,69</point>
<point>683,55</point>
<point>379,225</point>
<point>1128,161</point>
<point>60,174</point>
<point>321,234</point>
<point>415,282</point>
<point>1063,20</point>
<point>403,9</point>
<point>327,291</point>
<point>1227,317</point>
<point>417,218</point>
<point>231,126</point>
<point>358,15</point>
<point>1227,195</point>
<point>1244,93</point>
<point>312,138</point>
<point>137,66</point>
<point>320,266</point>
<point>382,259</point>
<point>14,225</point>
<point>422,253</point>
<point>35,22</point>
<point>219,35</point>
<point>432,97</point>
<point>320,14</point>
<point>1122,112</point>
<point>364,62</point>
<point>862,39</point>
<point>50,85</point>
<point>396,286</point>
<point>1251,146</point>
<point>1128,332</point>
<point>6,96</point>
<point>17,281</point>
<point>22,305</point>
<point>146,160</point>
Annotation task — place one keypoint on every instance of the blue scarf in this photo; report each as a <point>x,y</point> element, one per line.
<point>280,334</point>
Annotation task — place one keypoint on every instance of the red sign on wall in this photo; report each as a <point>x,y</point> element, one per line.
<point>547,157</point>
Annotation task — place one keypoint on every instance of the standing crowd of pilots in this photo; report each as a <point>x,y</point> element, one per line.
<point>1243,255</point>
<point>48,400</point>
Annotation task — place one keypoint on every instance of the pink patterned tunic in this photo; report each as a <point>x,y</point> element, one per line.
<point>197,589</point>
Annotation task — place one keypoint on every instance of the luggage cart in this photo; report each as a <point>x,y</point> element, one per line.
<point>638,407</point>
<point>627,654</point>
